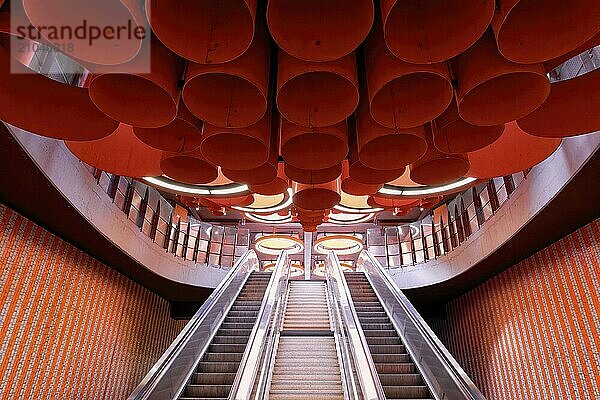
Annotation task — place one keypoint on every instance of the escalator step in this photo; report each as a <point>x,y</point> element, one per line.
<point>389,332</point>
<point>242,326</point>
<point>406,392</point>
<point>222,357</point>
<point>386,341</point>
<point>389,358</point>
<point>207,390</point>
<point>401,380</point>
<point>386,348</point>
<point>406,367</point>
<point>219,366</point>
<point>230,339</point>
<point>216,378</point>
<point>227,348</point>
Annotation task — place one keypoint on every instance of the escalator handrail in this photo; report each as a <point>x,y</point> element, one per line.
<point>249,366</point>
<point>145,389</point>
<point>365,367</point>
<point>451,366</point>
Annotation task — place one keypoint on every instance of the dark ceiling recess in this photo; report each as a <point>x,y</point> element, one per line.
<point>24,188</point>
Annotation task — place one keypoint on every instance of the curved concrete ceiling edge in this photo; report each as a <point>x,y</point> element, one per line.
<point>69,176</point>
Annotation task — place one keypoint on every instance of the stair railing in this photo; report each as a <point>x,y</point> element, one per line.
<point>442,373</point>
<point>168,377</point>
<point>356,349</point>
<point>254,373</point>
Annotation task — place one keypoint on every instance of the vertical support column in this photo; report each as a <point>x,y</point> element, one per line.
<point>307,254</point>
<point>509,184</point>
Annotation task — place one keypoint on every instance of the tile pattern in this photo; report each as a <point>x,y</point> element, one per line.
<point>533,331</point>
<point>71,327</point>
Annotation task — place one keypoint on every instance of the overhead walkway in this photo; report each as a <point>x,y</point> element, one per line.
<point>263,336</point>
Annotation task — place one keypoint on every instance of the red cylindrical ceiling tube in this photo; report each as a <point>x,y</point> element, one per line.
<point>355,188</point>
<point>363,174</point>
<point>277,186</point>
<point>313,148</point>
<point>233,94</point>
<point>206,31</point>
<point>237,149</point>
<point>533,31</point>
<point>121,153</point>
<point>263,174</point>
<point>453,135</point>
<point>184,134</point>
<point>317,197</point>
<point>431,31</point>
<point>515,151</point>
<point>319,30</point>
<point>145,100</point>
<point>114,29</point>
<point>189,167</point>
<point>317,94</point>
<point>437,168</point>
<point>68,112</point>
<point>387,148</point>
<point>573,108</point>
<point>493,90</point>
<point>309,176</point>
<point>403,95</point>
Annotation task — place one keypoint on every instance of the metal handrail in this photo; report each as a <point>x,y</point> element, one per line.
<point>365,367</point>
<point>445,377</point>
<point>257,356</point>
<point>158,384</point>
<point>340,330</point>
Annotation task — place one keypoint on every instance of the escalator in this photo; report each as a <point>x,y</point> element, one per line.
<point>397,372</point>
<point>263,336</point>
<point>217,369</point>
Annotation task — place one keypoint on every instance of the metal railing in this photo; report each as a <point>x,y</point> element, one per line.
<point>355,353</point>
<point>214,245</point>
<point>254,374</point>
<point>445,228</point>
<point>168,377</point>
<point>443,375</point>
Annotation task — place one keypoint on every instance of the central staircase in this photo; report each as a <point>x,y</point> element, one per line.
<point>306,365</point>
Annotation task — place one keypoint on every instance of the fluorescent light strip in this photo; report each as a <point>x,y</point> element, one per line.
<point>351,210</point>
<point>175,187</point>
<point>257,218</point>
<point>426,191</point>
<point>279,207</point>
<point>194,190</point>
<point>352,222</point>
<point>231,190</point>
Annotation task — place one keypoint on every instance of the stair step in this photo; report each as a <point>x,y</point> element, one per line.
<point>403,392</point>
<point>216,378</point>
<point>407,367</point>
<point>386,341</point>
<point>219,367</point>
<point>222,357</point>
<point>386,348</point>
<point>230,339</point>
<point>227,348</point>
<point>209,391</point>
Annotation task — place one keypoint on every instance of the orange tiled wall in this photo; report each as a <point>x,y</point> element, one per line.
<point>70,327</point>
<point>533,332</point>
